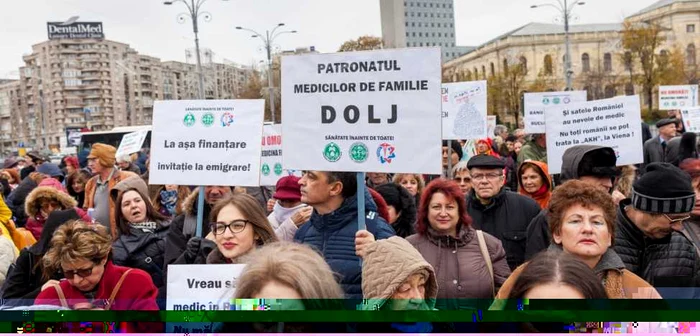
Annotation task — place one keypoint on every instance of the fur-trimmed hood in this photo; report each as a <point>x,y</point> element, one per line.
<point>189,205</point>
<point>31,205</point>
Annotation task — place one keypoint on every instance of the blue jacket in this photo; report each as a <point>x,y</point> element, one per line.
<point>333,235</point>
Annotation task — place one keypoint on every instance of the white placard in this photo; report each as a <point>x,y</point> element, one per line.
<point>271,169</point>
<point>536,102</point>
<point>206,142</point>
<point>491,121</point>
<point>691,119</point>
<point>369,111</point>
<point>200,287</point>
<point>614,122</point>
<point>676,97</point>
<point>464,110</point>
<point>131,143</point>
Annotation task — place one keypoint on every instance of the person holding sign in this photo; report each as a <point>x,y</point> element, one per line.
<point>333,195</point>
<point>288,213</point>
<point>125,163</point>
<point>238,226</point>
<point>184,226</point>
<point>92,282</point>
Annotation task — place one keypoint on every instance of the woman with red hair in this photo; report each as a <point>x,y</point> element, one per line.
<point>469,264</point>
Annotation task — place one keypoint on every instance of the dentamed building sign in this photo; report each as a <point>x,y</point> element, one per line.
<point>76,30</point>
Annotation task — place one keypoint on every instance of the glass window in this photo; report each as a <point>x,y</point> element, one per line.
<point>690,28</point>
<point>548,68</point>
<point>586,62</point>
<point>607,62</point>
<point>690,54</point>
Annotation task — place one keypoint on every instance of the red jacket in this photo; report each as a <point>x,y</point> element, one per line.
<point>136,293</point>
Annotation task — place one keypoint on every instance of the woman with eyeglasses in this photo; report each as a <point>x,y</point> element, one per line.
<point>82,252</point>
<point>238,227</point>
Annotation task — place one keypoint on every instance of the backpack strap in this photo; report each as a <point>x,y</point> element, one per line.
<point>487,258</point>
<point>61,296</point>
<point>110,301</point>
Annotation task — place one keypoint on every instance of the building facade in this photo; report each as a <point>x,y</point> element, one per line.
<point>9,103</point>
<point>420,23</point>
<point>97,84</point>
<point>598,58</point>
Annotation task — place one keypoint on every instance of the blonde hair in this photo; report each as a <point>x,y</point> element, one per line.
<point>294,265</point>
<point>75,241</point>
<point>421,182</point>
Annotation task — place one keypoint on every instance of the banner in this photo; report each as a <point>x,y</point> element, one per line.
<point>536,102</point>
<point>368,111</point>
<point>271,169</point>
<point>73,136</point>
<point>131,143</point>
<point>677,97</point>
<point>200,287</point>
<point>614,122</point>
<point>464,110</point>
<point>691,119</point>
<point>206,142</point>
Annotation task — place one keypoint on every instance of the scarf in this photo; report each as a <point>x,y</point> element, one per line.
<point>282,213</point>
<point>145,226</point>
<point>168,199</point>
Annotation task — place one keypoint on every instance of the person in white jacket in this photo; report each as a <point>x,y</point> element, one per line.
<point>288,213</point>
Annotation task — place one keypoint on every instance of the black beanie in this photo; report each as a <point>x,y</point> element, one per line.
<point>456,147</point>
<point>663,189</point>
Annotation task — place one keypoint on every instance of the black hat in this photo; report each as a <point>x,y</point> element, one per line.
<point>601,162</point>
<point>663,189</point>
<point>664,122</point>
<point>485,161</point>
<point>456,147</point>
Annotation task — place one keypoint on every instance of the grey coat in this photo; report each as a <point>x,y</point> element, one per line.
<point>654,152</point>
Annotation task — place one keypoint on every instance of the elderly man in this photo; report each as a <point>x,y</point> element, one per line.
<point>656,148</point>
<point>501,213</point>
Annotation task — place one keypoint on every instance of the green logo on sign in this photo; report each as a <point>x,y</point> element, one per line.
<point>278,169</point>
<point>265,169</point>
<point>359,152</point>
<point>189,120</point>
<point>557,100</point>
<point>332,152</point>
<point>545,101</point>
<point>208,119</point>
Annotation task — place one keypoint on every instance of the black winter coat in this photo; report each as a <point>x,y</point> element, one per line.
<point>144,250</point>
<point>16,199</point>
<point>506,218</point>
<point>538,236</point>
<point>669,264</point>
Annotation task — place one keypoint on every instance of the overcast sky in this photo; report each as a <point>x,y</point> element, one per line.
<point>152,29</point>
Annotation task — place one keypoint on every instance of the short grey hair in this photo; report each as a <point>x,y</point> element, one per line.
<point>124,158</point>
<point>499,129</point>
<point>460,166</point>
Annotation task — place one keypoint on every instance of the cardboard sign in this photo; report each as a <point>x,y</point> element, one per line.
<point>464,111</point>
<point>691,119</point>
<point>200,287</point>
<point>206,142</point>
<point>536,102</point>
<point>677,97</point>
<point>131,143</point>
<point>369,111</point>
<point>614,122</point>
<point>271,169</point>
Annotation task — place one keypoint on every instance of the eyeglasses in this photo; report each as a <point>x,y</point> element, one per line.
<point>676,220</point>
<point>235,226</point>
<point>491,176</point>
<point>465,179</point>
<point>83,273</point>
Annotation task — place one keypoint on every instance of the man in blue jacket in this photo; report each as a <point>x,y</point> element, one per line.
<point>333,230</point>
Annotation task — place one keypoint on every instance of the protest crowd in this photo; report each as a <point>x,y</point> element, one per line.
<point>92,233</point>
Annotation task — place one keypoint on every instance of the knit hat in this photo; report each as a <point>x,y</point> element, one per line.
<point>486,162</point>
<point>288,189</point>
<point>456,147</point>
<point>105,154</point>
<point>50,169</point>
<point>663,189</point>
<point>664,122</point>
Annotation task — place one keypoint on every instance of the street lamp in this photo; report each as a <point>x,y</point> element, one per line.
<point>268,39</point>
<point>194,12</point>
<point>565,8</point>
